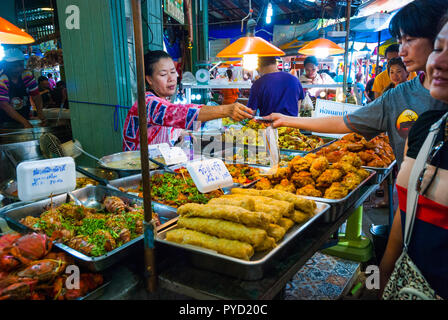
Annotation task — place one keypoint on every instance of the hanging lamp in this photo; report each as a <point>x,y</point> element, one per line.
<point>321,48</point>
<point>250,47</point>
<point>10,34</point>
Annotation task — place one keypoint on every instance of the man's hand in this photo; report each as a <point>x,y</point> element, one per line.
<point>238,112</point>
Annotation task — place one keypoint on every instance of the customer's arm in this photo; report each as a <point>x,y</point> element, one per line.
<point>10,111</point>
<point>325,124</point>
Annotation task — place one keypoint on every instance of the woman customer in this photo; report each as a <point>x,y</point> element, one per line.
<point>415,26</point>
<point>312,76</point>
<point>397,73</point>
<point>229,95</point>
<point>428,247</point>
<point>165,119</point>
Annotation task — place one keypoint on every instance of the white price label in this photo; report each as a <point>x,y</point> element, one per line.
<point>210,174</point>
<point>174,155</point>
<point>39,179</point>
<point>325,108</point>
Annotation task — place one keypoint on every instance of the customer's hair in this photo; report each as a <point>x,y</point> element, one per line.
<point>442,22</point>
<point>418,19</point>
<point>392,48</point>
<point>229,74</point>
<point>358,76</point>
<point>395,62</point>
<point>267,61</point>
<point>151,58</point>
<point>311,59</point>
<point>50,75</point>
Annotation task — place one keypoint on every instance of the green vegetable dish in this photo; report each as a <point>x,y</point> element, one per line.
<point>92,232</point>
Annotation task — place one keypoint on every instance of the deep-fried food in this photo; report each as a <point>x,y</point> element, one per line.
<point>363,173</point>
<point>318,166</point>
<point>299,164</point>
<point>229,213</point>
<point>366,156</point>
<point>336,191</point>
<point>301,217</point>
<point>277,232</point>
<point>328,177</point>
<point>352,159</point>
<point>231,248</point>
<point>344,167</point>
<point>286,223</point>
<point>224,229</point>
<point>377,163</point>
<point>351,180</point>
<point>247,203</point>
<point>309,190</point>
<point>267,244</point>
<point>263,184</point>
<point>301,179</point>
<point>286,185</point>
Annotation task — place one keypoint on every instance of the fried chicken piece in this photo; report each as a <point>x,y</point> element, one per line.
<point>298,164</point>
<point>366,156</point>
<point>351,180</point>
<point>286,185</point>
<point>363,173</point>
<point>355,147</point>
<point>352,159</point>
<point>309,190</point>
<point>328,177</point>
<point>301,179</point>
<point>263,184</point>
<point>377,163</point>
<point>352,137</point>
<point>344,167</point>
<point>318,166</point>
<point>336,191</point>
<point>335,156</point>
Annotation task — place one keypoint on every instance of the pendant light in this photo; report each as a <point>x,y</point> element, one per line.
<point>250,47</point>
<point>10,34</point>
<point>321,48</point>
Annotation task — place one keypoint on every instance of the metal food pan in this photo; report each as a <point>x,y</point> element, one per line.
<point>339,206</point>
<point>88,194</point>
<point>291,152</point>
<point>381,173</point>
<point>259,264</point>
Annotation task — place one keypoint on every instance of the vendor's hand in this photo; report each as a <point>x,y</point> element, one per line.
<point>27,124</point>
<point>279,120</point>
<point>239,112</point>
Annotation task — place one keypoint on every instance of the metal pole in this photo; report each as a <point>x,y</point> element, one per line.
<point>378,53</point>
<point>150,270</point>
<point>347,29</point>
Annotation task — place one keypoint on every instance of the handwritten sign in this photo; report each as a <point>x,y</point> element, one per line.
<point>209,174</point>
<point>327,108</point>
<point>39,179</point>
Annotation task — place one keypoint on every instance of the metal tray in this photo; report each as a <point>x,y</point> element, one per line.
<point>260,263</point>
<point>291,152</point>
<point>91,193</point>
<point>97,293</point>
<point>381,173</point>
<point>339,206</point>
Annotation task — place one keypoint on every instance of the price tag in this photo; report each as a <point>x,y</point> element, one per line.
<point>325,108</point>
<point>209,174</point>
<point>174,155</point>
<point>39,179</point>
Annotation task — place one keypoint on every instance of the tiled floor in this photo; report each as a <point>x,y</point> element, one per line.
<point>325,277</point>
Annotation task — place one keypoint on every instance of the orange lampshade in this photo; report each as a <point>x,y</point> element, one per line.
<point>311,48</point>
<point>10,34</point>
<point>250,45</point>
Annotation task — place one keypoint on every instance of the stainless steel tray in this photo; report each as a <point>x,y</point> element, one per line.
<point>88,194</point>
<point>260,263</point>
<point>97,293</point>
<point>339,206</point>
<point>291,152</point>
<point>381,173</point>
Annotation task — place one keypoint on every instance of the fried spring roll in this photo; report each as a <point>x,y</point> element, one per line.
<point>285,223</point>
<point>267,244</point>
<point>276,232</point>
<point>246,203</point>
<point>265,204</point>
<point>300,216</point>
<point>230,213</point>
<point>231,248</point>
<point>224,229</point>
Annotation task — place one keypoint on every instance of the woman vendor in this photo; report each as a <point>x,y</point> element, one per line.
<point>311,76</point>
<point>166,120</point>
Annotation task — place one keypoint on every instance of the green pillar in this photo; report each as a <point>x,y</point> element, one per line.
<point>152,24</point>
<point>200,22</point>
<point>99,68</point>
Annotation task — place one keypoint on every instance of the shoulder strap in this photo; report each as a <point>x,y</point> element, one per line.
<point>420,162</point>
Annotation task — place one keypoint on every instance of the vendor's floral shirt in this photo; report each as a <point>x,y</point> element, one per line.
<point>165,122</point>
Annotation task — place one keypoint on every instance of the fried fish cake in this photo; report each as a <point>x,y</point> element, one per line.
<point>328,177</point>
<point>318,166</point>
<point>301,179</point>
<point>336,191</point>
<point>298,164</point>
<point>351,180</point>
<point>309,190</point>
<point>286,185</point>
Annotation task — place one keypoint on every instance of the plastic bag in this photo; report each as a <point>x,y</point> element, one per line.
<point>307,104</point>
